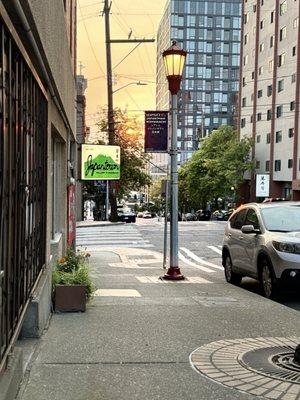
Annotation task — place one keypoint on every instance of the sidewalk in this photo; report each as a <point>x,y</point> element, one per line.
<point>136,337</point>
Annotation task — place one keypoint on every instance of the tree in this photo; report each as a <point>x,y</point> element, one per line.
<point>129,136</point>
<point>215,168</point>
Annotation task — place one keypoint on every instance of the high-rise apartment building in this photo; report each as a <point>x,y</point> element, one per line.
<point>269,92</point>
<point>210,32</point>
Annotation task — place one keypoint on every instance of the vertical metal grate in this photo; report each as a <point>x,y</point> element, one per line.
<point>23,157</point>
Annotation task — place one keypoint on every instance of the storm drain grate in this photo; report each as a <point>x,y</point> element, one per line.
<point>274,362</point>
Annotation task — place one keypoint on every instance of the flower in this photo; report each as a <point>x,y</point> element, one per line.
<point>87,255</point>
<point>62,260</point>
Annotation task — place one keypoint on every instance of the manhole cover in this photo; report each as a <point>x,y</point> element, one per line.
<point>263,367</point>
<point>275,361</point>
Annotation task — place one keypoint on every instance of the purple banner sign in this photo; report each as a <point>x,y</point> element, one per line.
<point>156,131</point>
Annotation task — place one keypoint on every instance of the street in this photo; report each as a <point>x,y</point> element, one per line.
<point>199,243</point>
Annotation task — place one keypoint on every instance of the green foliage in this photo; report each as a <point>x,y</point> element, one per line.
<point>215,168</point>
<point>73,270</point>
<point>129,136</point>
<point>72,261</point>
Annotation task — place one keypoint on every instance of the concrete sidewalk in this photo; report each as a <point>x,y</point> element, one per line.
<point>136,337</point>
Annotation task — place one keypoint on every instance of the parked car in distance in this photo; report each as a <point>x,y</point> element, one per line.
<point>203,215</point>
<point>189,217</point>
<point>126,215</point>
<point>262,241</point>
<point>147,214</point>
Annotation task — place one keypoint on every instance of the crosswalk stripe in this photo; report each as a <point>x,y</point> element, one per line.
<point>200,260</point>
<point>95,246</point>
<point>215,249</point>
<point>192,264</point>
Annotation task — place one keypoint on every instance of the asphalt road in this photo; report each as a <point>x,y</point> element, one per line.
<point>204,239</point>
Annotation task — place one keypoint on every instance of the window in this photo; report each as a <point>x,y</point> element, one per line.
<point>260,70</point>
<point>246,59</point>
<point>281,60</point>
<point>244,102</point>
<point>246,37</point>
<point>296,22</point>
<point>258,116</point>
<point>290,163</point>
<point>278,137</point>
<point>271,41</point>
<point>272,17</point>
<point>268,138</point>
<point>277,165</point>
<point>294,51</point>
<point>292,106</point>
<point>257,165</point>
<point>244,81</point>
<point>271,65</point>
<point>279,111</point>
<point>283,8</point>
<point>293,78</point>
<point>282,33</point>
<point>259,93</point>
<point>269,115</point>
<point>243,122</point>
<point>252,219</point>
<point>261,47</point>
<point>238,221</point>
<point>262,24</point>
<point>269,90</point>
<point>246,18</point>
<point>267,166</point>
<point>258,139</point>
<point>280,85</point>
<point>291,132</point>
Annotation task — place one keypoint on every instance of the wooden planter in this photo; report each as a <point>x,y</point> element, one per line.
<point>70,298</point>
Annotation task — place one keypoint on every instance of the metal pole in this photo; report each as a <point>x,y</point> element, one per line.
<point>174,188</point>
<point>166,226</point>
<point>173,272</point>
<point>107,201</point>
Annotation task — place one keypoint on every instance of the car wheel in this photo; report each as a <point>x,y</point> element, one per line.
<point>230,275</point>
<point>268,281</point>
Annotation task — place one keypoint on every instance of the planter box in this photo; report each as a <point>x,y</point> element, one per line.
<point>70,298</point>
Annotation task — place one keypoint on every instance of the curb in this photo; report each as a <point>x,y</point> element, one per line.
<point>100,224</point>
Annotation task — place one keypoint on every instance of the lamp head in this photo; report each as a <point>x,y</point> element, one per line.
<point>174,59</point>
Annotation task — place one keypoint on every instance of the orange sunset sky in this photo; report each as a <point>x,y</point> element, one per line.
<point>142,16</point>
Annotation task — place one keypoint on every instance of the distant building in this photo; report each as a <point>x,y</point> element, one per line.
<point>210,32</point>
<point>37,149</point>
<point>269,93</point>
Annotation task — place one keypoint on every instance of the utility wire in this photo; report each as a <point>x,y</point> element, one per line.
<point>124,58</point>
<point>91,45</point>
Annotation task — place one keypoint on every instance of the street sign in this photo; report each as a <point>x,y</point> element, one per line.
<point>100,162</point>
<point>262,185</point>
<point>165,187</point>
<point>156,131</point>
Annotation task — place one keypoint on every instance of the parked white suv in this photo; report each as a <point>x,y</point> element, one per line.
<point>263,241</point>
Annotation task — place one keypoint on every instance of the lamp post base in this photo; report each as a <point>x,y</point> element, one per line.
<point>173,274</point>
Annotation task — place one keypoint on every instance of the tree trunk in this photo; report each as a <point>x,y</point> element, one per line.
<point>113,207</point>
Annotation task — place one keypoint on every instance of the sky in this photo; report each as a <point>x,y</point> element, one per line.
<point>140,16</point>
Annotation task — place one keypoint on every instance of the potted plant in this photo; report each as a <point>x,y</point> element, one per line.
<point>72,285</point>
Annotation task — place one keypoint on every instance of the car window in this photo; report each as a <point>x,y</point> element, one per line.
<point>281,218</point>
<point>238,221</point>
<point>252,219</point>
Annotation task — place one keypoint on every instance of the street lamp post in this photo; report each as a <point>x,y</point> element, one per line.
<point>131,83</point>
<point>174,58</point>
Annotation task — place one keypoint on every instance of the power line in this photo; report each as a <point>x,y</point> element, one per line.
<point>91,45</point>
<point>127,55</point>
